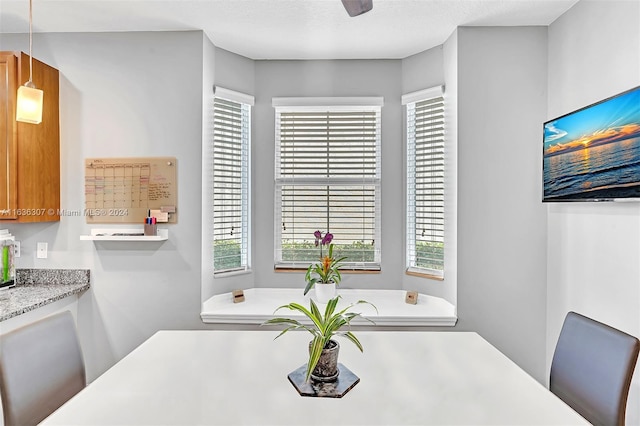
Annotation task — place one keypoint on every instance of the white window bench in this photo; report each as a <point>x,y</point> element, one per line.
<point>260,304</point>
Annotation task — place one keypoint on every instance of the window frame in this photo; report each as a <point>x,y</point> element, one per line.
<point>246,103</point>
<point>409,101</point>
<point>327,104</point>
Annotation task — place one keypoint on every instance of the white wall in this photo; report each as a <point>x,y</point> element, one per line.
<point>593,249</point>
<point>125,95</point>
<point>501,78</point>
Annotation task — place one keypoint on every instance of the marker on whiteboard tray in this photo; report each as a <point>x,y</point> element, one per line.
<point>150,227</point>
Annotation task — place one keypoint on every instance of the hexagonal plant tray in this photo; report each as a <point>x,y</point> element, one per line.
<point>345,382</point>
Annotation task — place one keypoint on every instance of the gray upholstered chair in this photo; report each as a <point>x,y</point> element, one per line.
<point>592,369</point>
<point>41,367</point>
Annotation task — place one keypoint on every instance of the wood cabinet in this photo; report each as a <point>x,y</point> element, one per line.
<point>29,153</point>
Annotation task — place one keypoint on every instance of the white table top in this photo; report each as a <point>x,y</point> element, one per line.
<point>240,377</point>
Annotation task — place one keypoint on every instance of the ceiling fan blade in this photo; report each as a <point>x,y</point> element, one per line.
<point>357,7</point>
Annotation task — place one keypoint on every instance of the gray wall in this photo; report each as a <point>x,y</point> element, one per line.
<point>125,95</point>
<point>234,72</point>
<point>501,221</point>
<point>329,78</point>
<point>422,71</point>
<point>594,248</point>
<point>206,249</point>
<point>496,78</point>
<point>450,71</point>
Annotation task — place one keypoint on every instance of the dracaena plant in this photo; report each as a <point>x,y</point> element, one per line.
<point>323,326</point>
<point>326,271</point>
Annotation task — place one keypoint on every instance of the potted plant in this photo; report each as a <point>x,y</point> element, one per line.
<point>326,273</point>
<point>323,350</point>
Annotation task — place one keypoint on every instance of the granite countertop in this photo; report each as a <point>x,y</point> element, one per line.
<point>39,287</point>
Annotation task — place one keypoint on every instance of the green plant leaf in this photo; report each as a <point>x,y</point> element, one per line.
<point>316,312</point>
<point>310,283</point>
<point>349,335</point>
<point>337,277</point>
<point>337,321</point>
<point>281,321</point>
<point>359,302</point>
<point>307,276</point>
<point>331,306</point>
<point>294,325</point>
<point>298,307</point>
<point>343,318</point>
<point>317,344</point>
<point>323,327</point>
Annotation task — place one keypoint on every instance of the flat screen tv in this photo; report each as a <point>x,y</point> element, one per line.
<point>593,154</point>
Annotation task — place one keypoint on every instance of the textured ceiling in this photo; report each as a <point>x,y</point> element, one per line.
<point>286,29</point>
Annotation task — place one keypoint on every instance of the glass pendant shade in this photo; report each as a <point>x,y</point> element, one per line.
<point>29,104</point>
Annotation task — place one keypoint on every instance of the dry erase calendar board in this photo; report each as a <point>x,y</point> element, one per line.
<point>123,190</point>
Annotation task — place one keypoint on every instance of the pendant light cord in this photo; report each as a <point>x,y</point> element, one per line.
<point>30,42</point>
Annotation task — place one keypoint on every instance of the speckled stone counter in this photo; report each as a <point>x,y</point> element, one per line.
<point>39,287</point>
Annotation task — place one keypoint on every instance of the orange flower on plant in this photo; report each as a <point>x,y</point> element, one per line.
<point>326,271</point>
<point>326,264</point>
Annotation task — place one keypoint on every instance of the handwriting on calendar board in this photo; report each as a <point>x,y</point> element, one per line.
<point>124,190</point>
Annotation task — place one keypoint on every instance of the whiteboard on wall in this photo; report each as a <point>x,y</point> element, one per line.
<point>125,190</point>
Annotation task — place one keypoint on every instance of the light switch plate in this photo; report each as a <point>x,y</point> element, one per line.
<point>41,251</point>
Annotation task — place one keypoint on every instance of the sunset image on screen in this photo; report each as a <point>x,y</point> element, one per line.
<point>594,153</point>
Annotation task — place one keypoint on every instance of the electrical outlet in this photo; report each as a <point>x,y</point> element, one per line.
<point>16,248</point>
<point>41,251</point>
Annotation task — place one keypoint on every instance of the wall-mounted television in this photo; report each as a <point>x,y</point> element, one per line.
<point>593,154</point>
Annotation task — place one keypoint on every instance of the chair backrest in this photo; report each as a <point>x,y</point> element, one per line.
<point>592,369</point>
<point>41,367</point>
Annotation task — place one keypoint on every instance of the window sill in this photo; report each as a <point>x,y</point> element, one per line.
<point>421,273</point>
<point>342,271</point>
<point>260,304</point>
<point>231,273</point>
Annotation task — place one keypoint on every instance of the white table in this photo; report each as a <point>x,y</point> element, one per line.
<point>240,377</point>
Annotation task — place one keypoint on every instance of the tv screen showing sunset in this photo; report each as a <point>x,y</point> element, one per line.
<point>594,153</point>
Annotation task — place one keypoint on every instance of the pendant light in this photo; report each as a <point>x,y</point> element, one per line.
<point>29,104</point>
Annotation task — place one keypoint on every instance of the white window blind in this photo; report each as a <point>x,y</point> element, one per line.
<point>327,178</point>
<point>231,168</point>
<point>425,181</point>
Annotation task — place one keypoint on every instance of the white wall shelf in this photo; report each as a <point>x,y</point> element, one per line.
<point>115,234</point>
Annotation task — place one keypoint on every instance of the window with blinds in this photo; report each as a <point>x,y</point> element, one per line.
<point>425,181</point>
<point>231,167</point>
<point>327,178</point>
